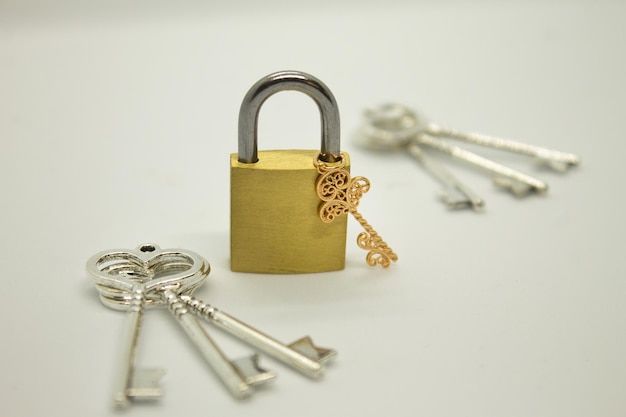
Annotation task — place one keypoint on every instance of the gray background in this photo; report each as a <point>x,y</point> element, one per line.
<point>116,122</point>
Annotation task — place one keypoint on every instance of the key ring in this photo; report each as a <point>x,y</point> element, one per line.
<point>130,280</point>
<point>389,127</point>
<point>396,127</point>
<point>116,271</point>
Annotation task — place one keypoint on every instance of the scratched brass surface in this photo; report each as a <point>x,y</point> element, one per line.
<point>275,226</point>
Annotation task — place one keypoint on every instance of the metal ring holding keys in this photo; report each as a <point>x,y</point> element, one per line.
<point>394,126</point>
<point>122,269</point>
<point>160,280</point>
<point>130,275</point>
<point>126,278</point>
<point>116,272</point>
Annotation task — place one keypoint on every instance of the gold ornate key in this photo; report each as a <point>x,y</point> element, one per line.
<point>341,194</point>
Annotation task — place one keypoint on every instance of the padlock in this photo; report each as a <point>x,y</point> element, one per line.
<point>275,224</point>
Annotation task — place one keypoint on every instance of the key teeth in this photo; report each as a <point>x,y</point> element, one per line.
<point>250,370</point>
<point>306,347</point>
<point>456,204</point>
<point>561,166</point>
<point>145,383</point>
<point>517,188</point>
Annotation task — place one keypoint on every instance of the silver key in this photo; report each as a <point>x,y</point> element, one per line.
<point>131,382</point>
<point>394,125</point>
<point>302,355</point>
<point>410,119</point>
<point>111,269</point>
<point>131,275</point>
<point>378,135</point>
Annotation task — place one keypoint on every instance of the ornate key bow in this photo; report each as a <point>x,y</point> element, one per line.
<point>341,194</point>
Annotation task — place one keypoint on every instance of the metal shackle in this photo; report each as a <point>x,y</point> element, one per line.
<point>281,81</point>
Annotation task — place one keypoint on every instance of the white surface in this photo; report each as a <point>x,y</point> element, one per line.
<point>116,123</point>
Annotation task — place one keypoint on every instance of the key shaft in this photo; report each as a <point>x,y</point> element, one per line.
<point>310,364</point>
<point>557,159</point>
<point>127,384</point>
<point>267,344</point>
<point>533,184</point>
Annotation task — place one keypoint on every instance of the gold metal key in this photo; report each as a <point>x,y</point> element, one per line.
<point>341,194</point>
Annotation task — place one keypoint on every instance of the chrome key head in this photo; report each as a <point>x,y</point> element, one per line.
<point>389,127</point>
<point>114,272</point>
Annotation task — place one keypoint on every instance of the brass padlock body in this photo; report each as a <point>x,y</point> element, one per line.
<point>274,221</point>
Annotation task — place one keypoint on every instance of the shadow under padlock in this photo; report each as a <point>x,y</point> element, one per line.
<point>274,208</point>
